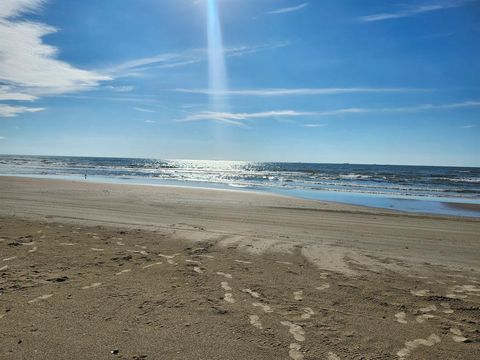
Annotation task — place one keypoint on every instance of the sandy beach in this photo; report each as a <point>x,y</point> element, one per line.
<point>105,271</point>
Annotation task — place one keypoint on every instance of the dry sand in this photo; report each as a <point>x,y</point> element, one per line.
<point>176,273</point>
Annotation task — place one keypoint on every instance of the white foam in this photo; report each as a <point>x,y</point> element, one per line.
<point>97,249</point>
<point>4,268</point>
<point>323,287</point>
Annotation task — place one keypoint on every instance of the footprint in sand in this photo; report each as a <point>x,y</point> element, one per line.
<point>462,289</point>
<point>198,270</point>
<point>228,297</point>
<point>43,297</point>
<point>332,356</point>
<point>252,293</point>
<point>169,258</point>
<point>308,313</point>
<point>255,321</point>
<point>141,252</point>
<point>264,307</point>
<point>123,272</point>
<point>228,276</point>
<point>296,330</point>
<point>401,317</point>
<point>421,318</point>
<point>150,265</point>
<point>457,335</point>
<point>193,262</point>
<point>10,258</point>
<point>284,262</point>
<point>94,285</point>
<point>323,287</point>
<point>446,308</point>
<point>420,293</point>
<point>298,295</point>
<point>412,345</point>
<point>243,262</point>
<point>294,352</point>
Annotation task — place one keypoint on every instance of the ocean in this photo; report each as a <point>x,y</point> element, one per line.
<point>427,189</point>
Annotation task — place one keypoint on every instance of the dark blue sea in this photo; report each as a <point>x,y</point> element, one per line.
<point>427,189</point>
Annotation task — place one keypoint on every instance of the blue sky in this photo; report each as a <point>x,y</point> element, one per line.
<point>392,82</point>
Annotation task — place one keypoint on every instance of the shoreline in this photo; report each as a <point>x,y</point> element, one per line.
<point>461,207</point>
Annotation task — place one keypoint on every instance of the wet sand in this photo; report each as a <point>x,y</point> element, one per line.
<point>134,272</point>
<point>464,206</point>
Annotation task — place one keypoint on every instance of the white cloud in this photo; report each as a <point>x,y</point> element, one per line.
<point>135,67</point>
<point>314,125</point>
<point>143,109</point>
<point>415,10</point>
<point>468,126</point>
<point>29,68</point>
<point>12,111</point>
<point>149,121</point>
<point>2,137</point>
<point>296,92</point>
<point>288,9</point>
<point>239,119</point>
<point>120,89</point>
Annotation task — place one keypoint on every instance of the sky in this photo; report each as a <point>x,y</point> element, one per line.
<point>371,81</point>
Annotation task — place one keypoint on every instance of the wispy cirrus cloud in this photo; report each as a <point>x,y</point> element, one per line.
<point>30,68</point>
<point>297,92</point>
<point>239,119</point>
<point>136,67</point>
<point>141,109</point>
<point>288,9</point>
<point>415,10</point>
<point>314,125</point>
